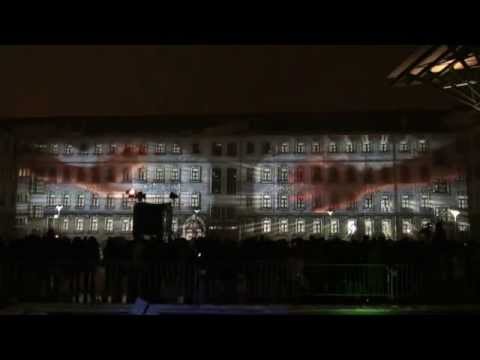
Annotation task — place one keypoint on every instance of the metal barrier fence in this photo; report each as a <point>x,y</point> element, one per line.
<point>364,280</point>
<point>188,282</point>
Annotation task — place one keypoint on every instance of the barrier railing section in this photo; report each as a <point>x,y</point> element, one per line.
<point>190,282</point>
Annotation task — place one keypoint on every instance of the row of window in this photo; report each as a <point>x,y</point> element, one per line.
<point>143,174</point>
<point>231,148</point>
<point>91,224</point>
<point>332,226</point>
<point>407,202</point>
<point>318,175</point>
<point>126,202</point>
<point>283,201</point>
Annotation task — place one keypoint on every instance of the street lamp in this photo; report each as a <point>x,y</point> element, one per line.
<point>57,216</point>
<point>454,213</point>
<point>330,213</point>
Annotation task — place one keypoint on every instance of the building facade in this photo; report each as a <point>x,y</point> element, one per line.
<point>244,182</point>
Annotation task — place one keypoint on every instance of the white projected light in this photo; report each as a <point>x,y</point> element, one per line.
<point>58,208</point>
<point>351,227</point>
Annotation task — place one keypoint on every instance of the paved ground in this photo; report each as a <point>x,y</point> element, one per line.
<point>163,309</point>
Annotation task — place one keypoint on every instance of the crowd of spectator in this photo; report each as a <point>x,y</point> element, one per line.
<point>53,260</point>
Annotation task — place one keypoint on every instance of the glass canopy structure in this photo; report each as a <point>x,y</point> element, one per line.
<point>452,69</point>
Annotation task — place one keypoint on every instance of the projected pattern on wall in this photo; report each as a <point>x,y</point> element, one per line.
<point>330,185</point>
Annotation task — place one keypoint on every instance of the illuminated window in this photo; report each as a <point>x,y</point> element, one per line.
<point>283,227</point>
<point>404,146</point>
<point>65,224</point>
<point>462,202</point>
<point>366,147</point>
<point>368,202</point>
<point>195,174</point>
<point>334,226</point>
<point>79,224</point>
<point>68,150</point>
<point>440,186</point>
<point>37,211</point>
<point>284,148</point>
<point>425,201</point>
<point>300,226</point>
<point>51,200</point>
<point>349,147</point>
<point>300,201</point>
<point>267,225</point>
<point>109,201</point>
<point>300,147</point>
<point>422,146</point>
<point>66,200</point>
<point>142,174</point>
<point>95,201</point>
<point>174,225</point>
<point>54,149</point>
<point>351,227</point>
<point>112,149</point>
<point>406,226</point>
<point>24,172</point>
<point>385,203</point>
<point>94,224</point>
<point>405,201</point>
<point>159,148</point>
<point>127,225</point>
<point>441,212</point>
<point>267,201</point>
<point>176,148</point>
<point>174,174</point>
<point>463,227</point>
<point>195,200</point>
<point>283,174</point>
<point>315,147</point>
<point>387,228</point>
<point>332,147</point>
<point>160,175</point>
<point>368,227</point>
<point>109,225</point>
<point>266,174</point>
<point>317,226</point>
<point>283,201</point>
<point>80,200</point>
<point>98,149</point>
<point>383,147</point>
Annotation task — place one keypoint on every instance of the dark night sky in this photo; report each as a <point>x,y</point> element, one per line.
<point>146,80</point>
